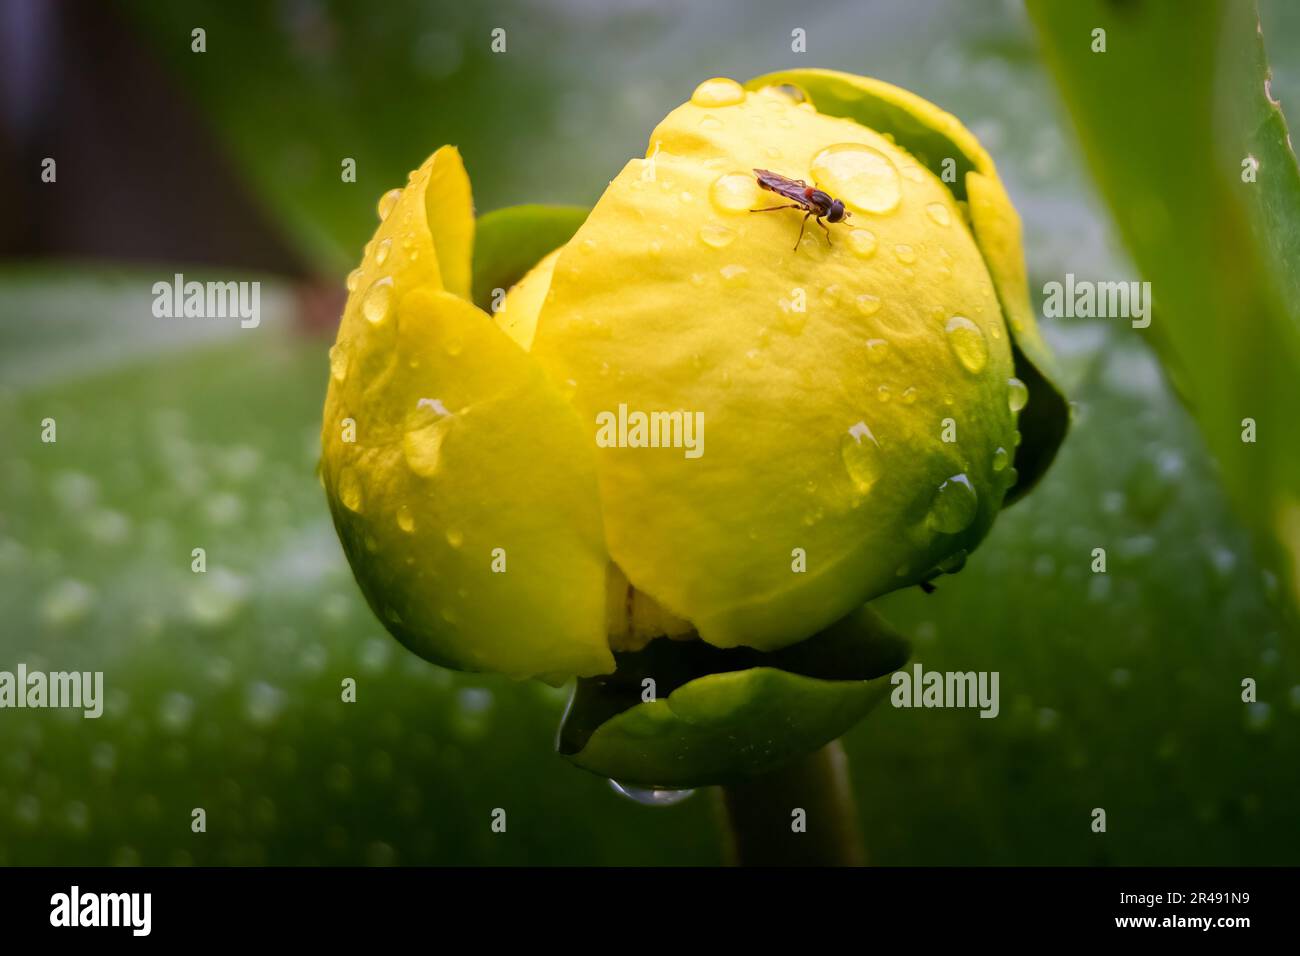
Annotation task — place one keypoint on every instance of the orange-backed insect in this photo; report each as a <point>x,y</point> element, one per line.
<point>813,201</point>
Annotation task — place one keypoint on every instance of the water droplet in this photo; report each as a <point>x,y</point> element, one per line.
<point>710,122</point>
<point>938,212</point>
<point>650,796</point>
<point>405,520</point>
<point>861,176</point>
<point>905,253</point>
<point>338,363</point>
<point>350,490</point>
<point>967,343</point>
<point>909,395</point>
<point>868,304</point>
<point>381,252</point>
<point>1017,394</point>
<point>883,393</point>
<point>734,273</point>
<point>1001,458</point>
<point>860,452</point>
<point>717,236</point>
<point>719,91</point>
<point>378,300</point>
<point>455,538</point>
<point>422,443</point>
<point>734,192</point>
<point>387,201</point>
<point>914,173</point>
<point>863,243</point>
<point>353,278</point>
<point>877,349</point>
<point>954,506</point>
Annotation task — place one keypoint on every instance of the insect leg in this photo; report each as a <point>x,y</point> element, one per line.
<point>793,205</point>
<point>826,230</point>
<point>801,225</point>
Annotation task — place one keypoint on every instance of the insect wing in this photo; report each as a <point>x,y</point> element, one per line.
<point>792,189</point>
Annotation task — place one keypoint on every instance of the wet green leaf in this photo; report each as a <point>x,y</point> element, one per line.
<point>1194,157</point>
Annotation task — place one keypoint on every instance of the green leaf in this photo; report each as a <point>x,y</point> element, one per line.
<point>508,242</point>
<point>722,715</point>
<point>1175,118</point>
<point>943,145</point>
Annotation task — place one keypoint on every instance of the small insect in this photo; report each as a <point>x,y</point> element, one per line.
<point>813,201</point>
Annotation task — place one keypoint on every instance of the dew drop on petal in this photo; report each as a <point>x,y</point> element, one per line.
<point>954,506</point>
<point>719,91</point>
<point>405,520</point>
<point>967,343</point>
<point>863,243</point>
<point>860,452</point>
<point>716,236</point>
<point>905,253</point>
<point>338,363</point>
<point>735,192</point>
<point>861,176</point>
<point>868,304</point>
<point>350,489</point>
<point>378,300</point>
<point>1017,394</point>
<point>938,212</point>
<point>387,201</point>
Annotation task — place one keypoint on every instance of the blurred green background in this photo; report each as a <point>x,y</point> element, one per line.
<point>1119,691</point>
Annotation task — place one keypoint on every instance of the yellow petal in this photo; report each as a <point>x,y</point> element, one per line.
<point>823,375</point>
<point>466,499</point>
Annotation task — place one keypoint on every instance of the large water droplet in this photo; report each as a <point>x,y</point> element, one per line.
<point>861,454</point>
<point>718,91</point>
<point>387,201</point>
<point>954,506</point>
<point>735,192</point>
<point>715,235</point>
<point>350,489</point>
<point>1017,394</point>
<point>861,176</point>
<point>378,300</point>
<point>353,278</point>
<point>650,796</point>
<point>967,343</point>
<point>381,251</point>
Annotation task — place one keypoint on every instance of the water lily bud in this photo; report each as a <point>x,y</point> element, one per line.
<point>677,417</point>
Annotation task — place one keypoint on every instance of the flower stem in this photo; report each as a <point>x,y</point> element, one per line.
<point>763,825</point>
